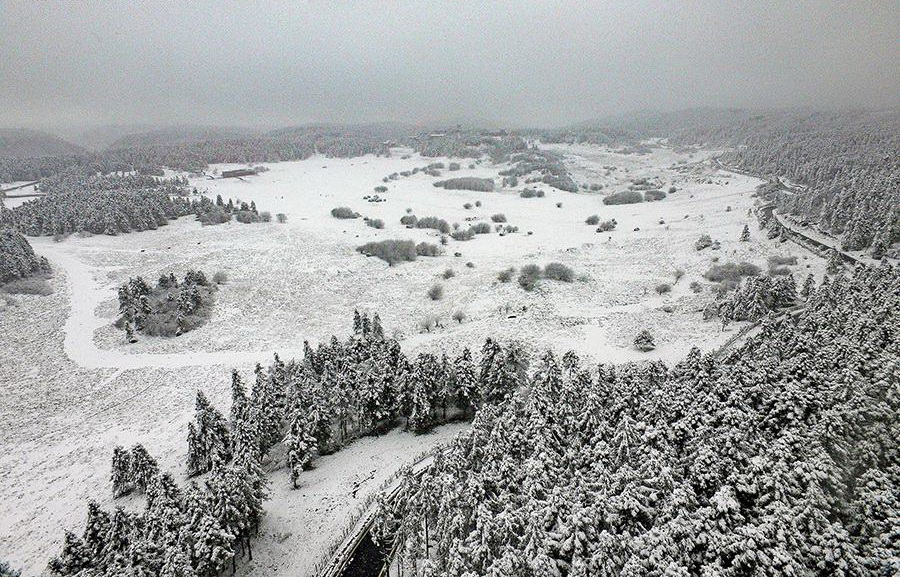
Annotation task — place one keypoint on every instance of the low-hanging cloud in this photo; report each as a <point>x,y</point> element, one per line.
<point>273,63</point>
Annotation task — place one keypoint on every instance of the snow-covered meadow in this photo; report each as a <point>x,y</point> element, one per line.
<point>72,388</point>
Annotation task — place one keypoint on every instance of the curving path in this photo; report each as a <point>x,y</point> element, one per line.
<point>86,294</point>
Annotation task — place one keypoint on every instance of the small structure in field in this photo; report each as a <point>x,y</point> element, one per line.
<point>238,172</point>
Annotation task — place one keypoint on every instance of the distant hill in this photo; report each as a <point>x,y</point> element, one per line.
<point>179,135</point>
<point>383,130</point>
<point>18,143</point>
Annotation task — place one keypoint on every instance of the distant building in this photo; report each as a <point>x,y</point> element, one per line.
<point>238,173</point>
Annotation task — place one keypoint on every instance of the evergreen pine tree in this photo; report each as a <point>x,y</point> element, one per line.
<point>121,472</point>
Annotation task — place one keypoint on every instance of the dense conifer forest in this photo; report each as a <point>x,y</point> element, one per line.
<point>779,459</point>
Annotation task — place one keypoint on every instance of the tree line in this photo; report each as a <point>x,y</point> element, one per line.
<point>779,459</point>
<point>337,392</point>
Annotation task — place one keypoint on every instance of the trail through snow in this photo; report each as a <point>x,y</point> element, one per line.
<point>85,295</point>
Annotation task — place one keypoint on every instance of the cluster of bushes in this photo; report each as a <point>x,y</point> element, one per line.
<point>168,309</point>
<point>397,251</point>
<point>728,275</point>
<point>467,183</point>
<point>624,197</point>
<point>209,213</point>
<point>532,193</point>
<point>344,212</point>
<point>432,222</point>
<point>469,233</point>
<point>706,241</point>
<point>530,274</point>
<point>778,265</point>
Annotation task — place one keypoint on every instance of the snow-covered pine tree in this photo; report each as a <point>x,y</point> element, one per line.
<point>467,388</point>
<point>143,468</point>
<point>644,341</point>
<point>300,444</point>
<point>121,472</point>
<point>745,234</point>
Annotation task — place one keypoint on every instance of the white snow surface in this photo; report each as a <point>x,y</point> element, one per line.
<point>72,389</point>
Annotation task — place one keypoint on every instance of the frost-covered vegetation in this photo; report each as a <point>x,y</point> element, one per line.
<point>167,309</point>
<point>100,205</point>
<point>849,188</point>
<point>309,407</point>
<point>757,463</point>
<point>17,258</point>
<point>467,183</point>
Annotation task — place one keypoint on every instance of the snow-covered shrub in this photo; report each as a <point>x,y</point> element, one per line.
<point>559,271</point>
<point>344,212</point>
<point>624,197</point>
<point>390,251</point>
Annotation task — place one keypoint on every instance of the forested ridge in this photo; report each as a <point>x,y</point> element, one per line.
<point>780,459</point>
<point>848,161</point>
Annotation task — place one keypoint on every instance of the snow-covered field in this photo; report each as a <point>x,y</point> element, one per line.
<point>72,388</point>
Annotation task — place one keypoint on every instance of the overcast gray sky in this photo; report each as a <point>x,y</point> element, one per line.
<point>522,63</point>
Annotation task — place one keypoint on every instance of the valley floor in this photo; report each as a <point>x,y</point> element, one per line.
<point>72,389</point>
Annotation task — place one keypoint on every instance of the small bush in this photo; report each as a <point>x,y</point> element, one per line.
<point>433,222</point>
<point>470,264</point>
<point>607,225</point>
<point>478,203</point>
<point>529,276</point>
<point>663,288</point>
<point>644,341</point>
<point>462,235</point>
<point>779,271</point>
<point>34,285</point>
<point>408,219</point>
<point>499,217</point>
<point>449,273</point>
<point>436,292</point>
<point>265,216</point>
<point>381,188</point>
<point>652,195</point>
<point>731,271</point>
<point>453,166</point>
<point>467,183</point>
<point>281,217</point>
<point>704,241</point>
<point>559,271</point>
<point>220,277</point>
<point>246,216</point>
<point>782,260</point>
<point>624,197</point>
<point>506,275</point>
<point>467,206</point>
<point>592,220</point>
<point>480,228</point>
<point>531,193</point>
<point>459,316</point>
<point>390,251</point>
<point>428,323</point>
<point>696,286</point>
<point>214,216</point>
<point>678,274</point>
<point>344,212</point>
<point>428,249</point>
<point>375,223</point>
<point>558,205</point>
